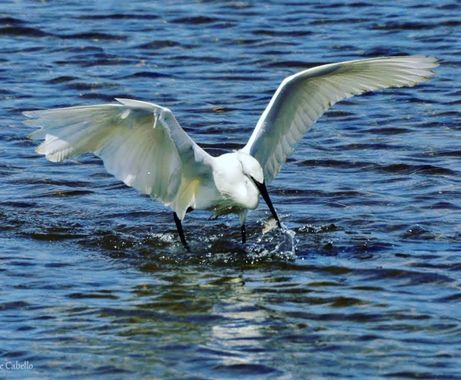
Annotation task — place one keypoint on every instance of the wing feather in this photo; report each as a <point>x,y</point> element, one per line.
<point>140,143</point>
<point>302,98</point>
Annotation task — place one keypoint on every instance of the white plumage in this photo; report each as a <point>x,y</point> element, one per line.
<point>143,145</point>
<point>302,98</point>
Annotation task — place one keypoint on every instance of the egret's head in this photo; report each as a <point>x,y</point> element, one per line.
<point>251,167</point>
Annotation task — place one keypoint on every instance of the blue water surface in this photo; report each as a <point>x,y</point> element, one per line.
<point>94,281</point>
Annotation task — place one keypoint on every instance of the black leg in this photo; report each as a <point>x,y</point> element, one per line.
<point>263,190</point>
<point>180,231</point>
<point>244,233</point>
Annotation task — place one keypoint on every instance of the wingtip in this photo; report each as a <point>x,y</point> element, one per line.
<point>428,61</point>
<point>30,122</point>
<point>436,61</point>
<point>29,114</point>
<point>424,64</point>
<point>140,104</point>
<point>432,61</point>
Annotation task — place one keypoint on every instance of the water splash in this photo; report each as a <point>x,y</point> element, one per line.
<point>274,243</point>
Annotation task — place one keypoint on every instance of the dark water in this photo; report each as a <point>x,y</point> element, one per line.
<point>93,279</point>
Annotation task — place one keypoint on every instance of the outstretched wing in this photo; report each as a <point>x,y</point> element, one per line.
<point>140,143</point>
<point>302,98</point>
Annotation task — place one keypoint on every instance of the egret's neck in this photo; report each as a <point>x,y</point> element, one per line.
<point>235,186</point>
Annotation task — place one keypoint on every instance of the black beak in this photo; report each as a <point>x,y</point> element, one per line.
<point>263,190</point>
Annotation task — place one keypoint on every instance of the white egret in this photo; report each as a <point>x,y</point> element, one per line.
<point>143,145</point>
